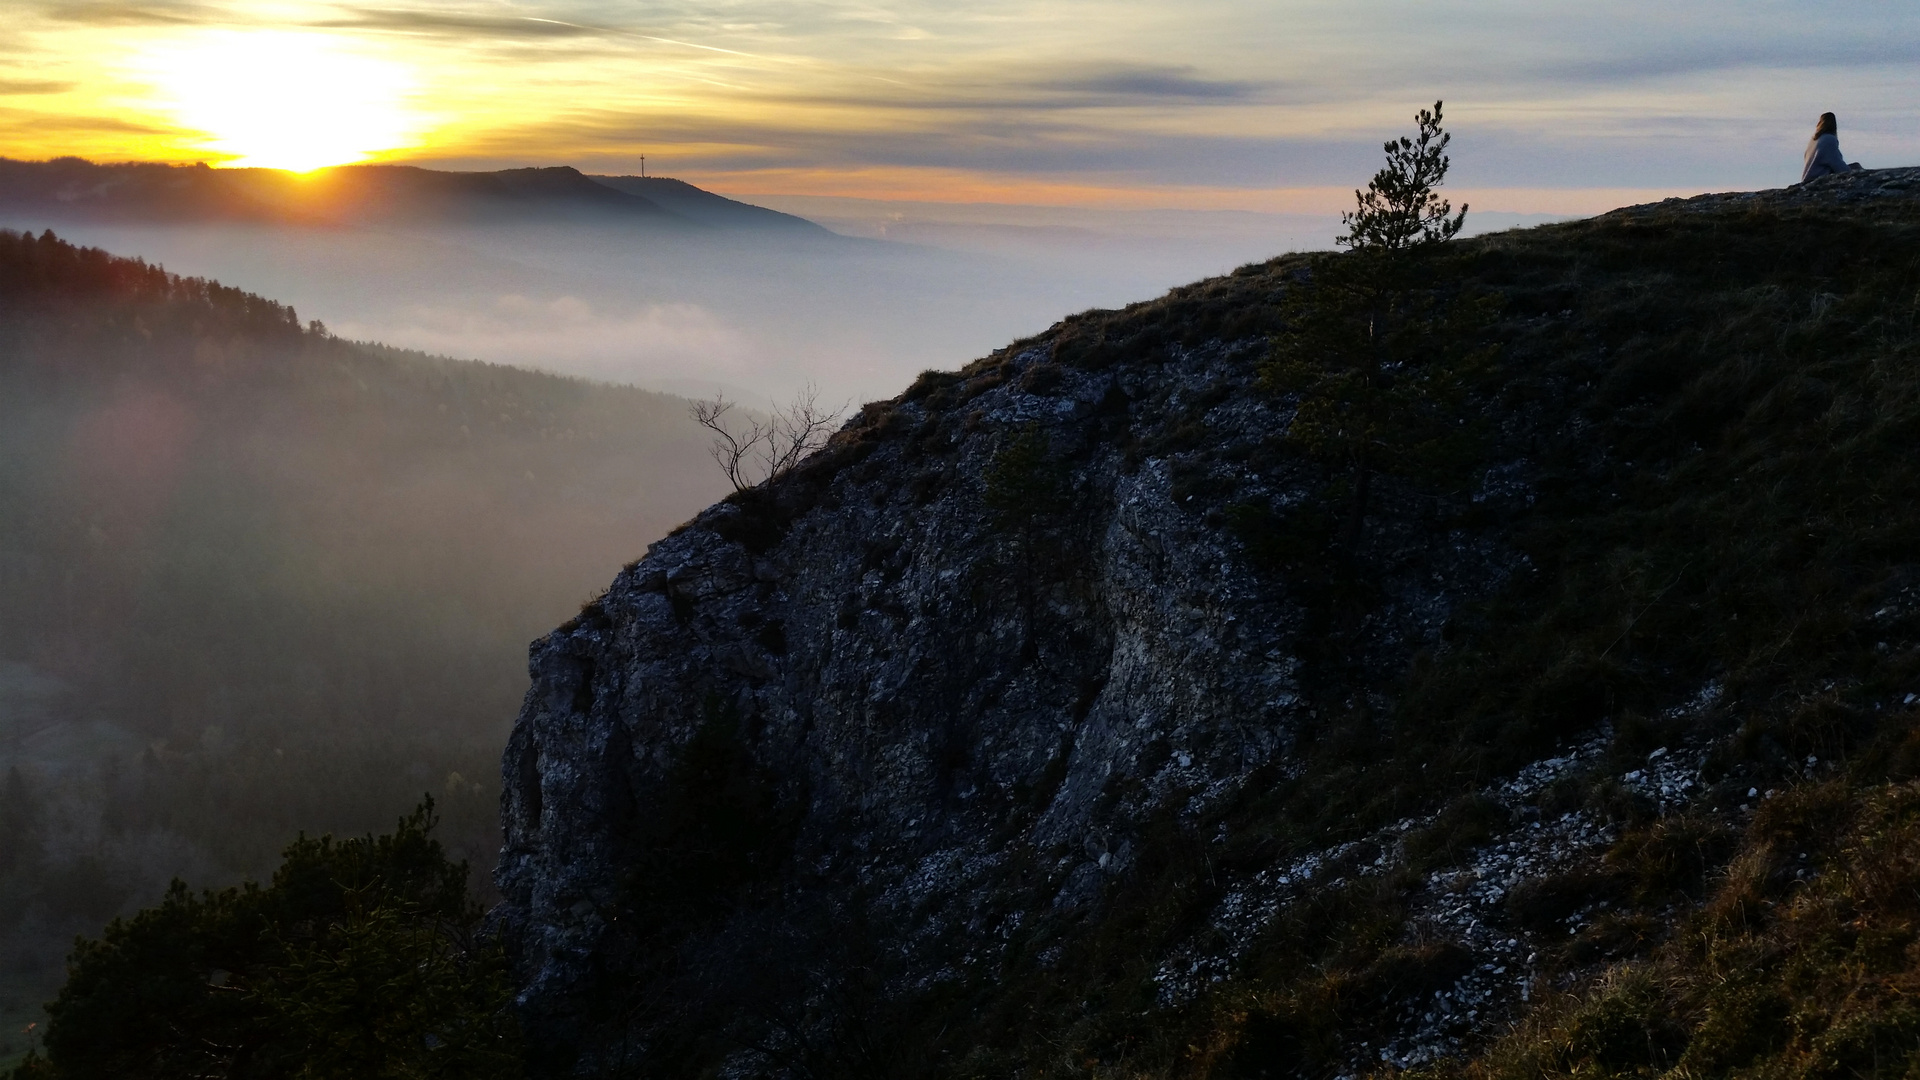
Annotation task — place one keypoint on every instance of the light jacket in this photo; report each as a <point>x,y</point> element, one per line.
<point>1823,157</point>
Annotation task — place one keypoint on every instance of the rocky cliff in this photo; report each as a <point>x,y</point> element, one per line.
<point>1043,725</point>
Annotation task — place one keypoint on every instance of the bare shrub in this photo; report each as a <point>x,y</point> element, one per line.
<point>765,448</point>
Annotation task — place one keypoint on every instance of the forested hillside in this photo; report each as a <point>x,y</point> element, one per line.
<point>255,580</point>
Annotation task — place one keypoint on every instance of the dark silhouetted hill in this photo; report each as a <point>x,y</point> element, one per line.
<point>697,204</point>
<point>363,194</point>
<point>73,190</point>
<point>1058,719</point>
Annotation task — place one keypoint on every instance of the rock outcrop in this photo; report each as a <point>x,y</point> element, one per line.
<point>979,715</point>
<point>928,710</point>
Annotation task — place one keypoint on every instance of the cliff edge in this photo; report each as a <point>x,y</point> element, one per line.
<point>1042,725</point>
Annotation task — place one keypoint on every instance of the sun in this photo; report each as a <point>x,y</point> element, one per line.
<point>283,100</point>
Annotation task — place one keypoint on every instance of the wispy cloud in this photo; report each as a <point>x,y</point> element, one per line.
<point>1261,93</point>
<point>29,87</point>
<point>1684,59</point>
<point>75,123</point>
<point>1153,83</point>
<point>118,13</point>
<point>462,25</point>
<point>459,25</point>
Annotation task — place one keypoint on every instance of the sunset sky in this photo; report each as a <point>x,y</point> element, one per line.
<point>1274,105</point>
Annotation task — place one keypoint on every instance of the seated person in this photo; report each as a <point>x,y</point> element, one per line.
<point>1823,151</point>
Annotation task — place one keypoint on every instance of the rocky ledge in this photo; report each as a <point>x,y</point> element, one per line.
<point>915,723</point>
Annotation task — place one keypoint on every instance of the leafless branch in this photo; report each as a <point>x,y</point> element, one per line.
<point>730,451</point>
<point>762,450</point>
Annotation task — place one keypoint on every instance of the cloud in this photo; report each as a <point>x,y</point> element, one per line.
<point>1009,91</point>
<point>59,123</point>
<point>1260,93</point>
<point>25,87</point>
<point>1655,151</point>
<point>1700,58</point>
<point>455,24</point>
<point>571,336</point>
<point>1037,143</point>
<point>1132,83</point>
<point>118,13</point>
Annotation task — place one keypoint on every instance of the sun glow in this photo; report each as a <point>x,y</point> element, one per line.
<point>283,100</point>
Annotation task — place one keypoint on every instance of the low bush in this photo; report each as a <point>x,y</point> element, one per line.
<point>362,958</point>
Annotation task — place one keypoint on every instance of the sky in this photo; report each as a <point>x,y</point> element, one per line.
<point>1268,105</point>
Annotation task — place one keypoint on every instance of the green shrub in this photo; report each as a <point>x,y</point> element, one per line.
<point>1025,486</point>
<point>360,959</point>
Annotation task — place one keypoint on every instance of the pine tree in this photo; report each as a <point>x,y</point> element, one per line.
<point>1374,354</point>
<point>1400,210</point>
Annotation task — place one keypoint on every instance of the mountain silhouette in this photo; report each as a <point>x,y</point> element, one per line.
<point>74,190</point>
<point>698,204</point>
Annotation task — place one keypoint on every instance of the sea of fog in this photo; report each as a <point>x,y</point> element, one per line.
<point>902,288</point>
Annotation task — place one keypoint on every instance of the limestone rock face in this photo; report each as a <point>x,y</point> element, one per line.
<point>971,708</point>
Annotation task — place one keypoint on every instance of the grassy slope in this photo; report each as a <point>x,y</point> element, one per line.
<point>1715,408</point>
<point>1780,558</point>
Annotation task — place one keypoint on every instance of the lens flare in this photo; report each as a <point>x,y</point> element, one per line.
<point>283,100</point>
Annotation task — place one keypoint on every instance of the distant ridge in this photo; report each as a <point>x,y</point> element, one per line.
<point>73,190</point>
<point>698,204</point>
<point>386,193</point>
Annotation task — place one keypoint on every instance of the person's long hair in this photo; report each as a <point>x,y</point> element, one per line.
<point>1828,125</point>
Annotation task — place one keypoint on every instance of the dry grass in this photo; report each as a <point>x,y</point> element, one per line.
<point>1804,963</point>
